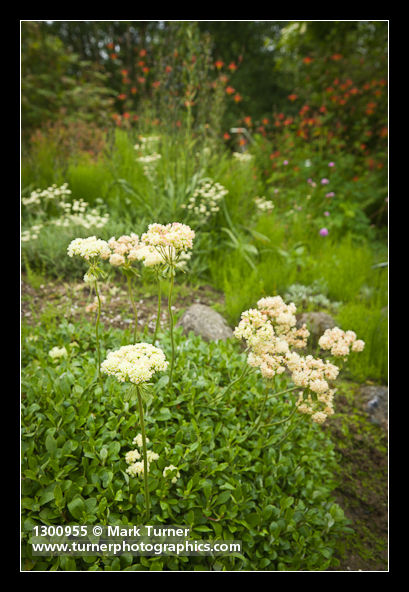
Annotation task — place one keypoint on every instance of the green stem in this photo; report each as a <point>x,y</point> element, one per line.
<point>158,314</point>
<point>145,455</point>
<point>246,370</point>
<point>172,361</point>
<point>269,425</point>
<point>97,330</point>
<point>135,312</point>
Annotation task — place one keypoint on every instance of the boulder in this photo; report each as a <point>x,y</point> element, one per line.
<point>206,322</point>
<point>376,403</point>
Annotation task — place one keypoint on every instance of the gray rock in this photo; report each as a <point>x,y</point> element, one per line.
<point>206,322</point>
<point>376,403</point>
<point>317,323</point>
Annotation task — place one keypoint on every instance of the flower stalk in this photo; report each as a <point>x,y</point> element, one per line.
<point>145,453</point>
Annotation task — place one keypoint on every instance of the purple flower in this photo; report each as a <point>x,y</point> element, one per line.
<point>331,164</point>
<point>285,162</point>
<point>309,181</point>
<point>324,231</point>
<point>326,213</point>
<point>324,181</point>
<point>330,194</point>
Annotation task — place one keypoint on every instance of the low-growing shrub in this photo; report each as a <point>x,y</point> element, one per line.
<point>276,499</point>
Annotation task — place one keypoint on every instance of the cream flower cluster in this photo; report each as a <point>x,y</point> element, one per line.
<point>269,331</point>
<point>147,142</point>
<point>263,204</point>
<point>149,163</point>
<point>172,470</point>
<point>58,352</point>
<point>313,375</point>
<point>242,156</point>
<point>89,248</point>
<point>176,235</point>
<point>50,194</point>
<point>205,199</point>
<point>149,256</point>
<point>124,250</point>
<point>78,214</point>
<point>283,318</point>
<point>32,233</point>
<point>132,458</point>
<point>135,363</point>
<point>138,440</point>
<point>340,342</point>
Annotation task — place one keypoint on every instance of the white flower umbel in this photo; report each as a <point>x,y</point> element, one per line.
<point>58,352</point>
<point>173,471</point>
<point>92,249</point>
<point>172,242</point>
<point>137,364</point>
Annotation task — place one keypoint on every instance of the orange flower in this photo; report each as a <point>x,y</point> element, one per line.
<point>124,72</point>
<point>242,142</point>
<point>126,116</point>
<point>307,60</point>
<point>113,56</point>
<point>141,79</point>
<point>156,84</point>
<point>110,45</point>
<point>122,97</point>
<point>230,90</point>
<point>384,132</point>
<point>288,121</point>
<point>219,64</point>
<point>265,121</point>
<point>141,63</point>
<point>232,66</point>
<point>145,70</point>
<point>133,90</point>
<point>323,109</point>
<point>142,53</point>
<point>168,69</point>
<point>226,136</point>
<point>336,57</point>
<point>247,120</point>
<point>135,117</point>
<point>292,97</point>
<point>237,98</point>
<point>329,89</point>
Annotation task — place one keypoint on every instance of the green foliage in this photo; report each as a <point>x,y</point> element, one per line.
<point>75,434</point>
<point>49,87</point>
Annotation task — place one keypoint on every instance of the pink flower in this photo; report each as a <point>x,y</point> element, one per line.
<point>324,231</point>
<point>324,181</point>
<point>326,213</point>
<point>330,194</point>
<point>331,164</point>
<point>285,162</point>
